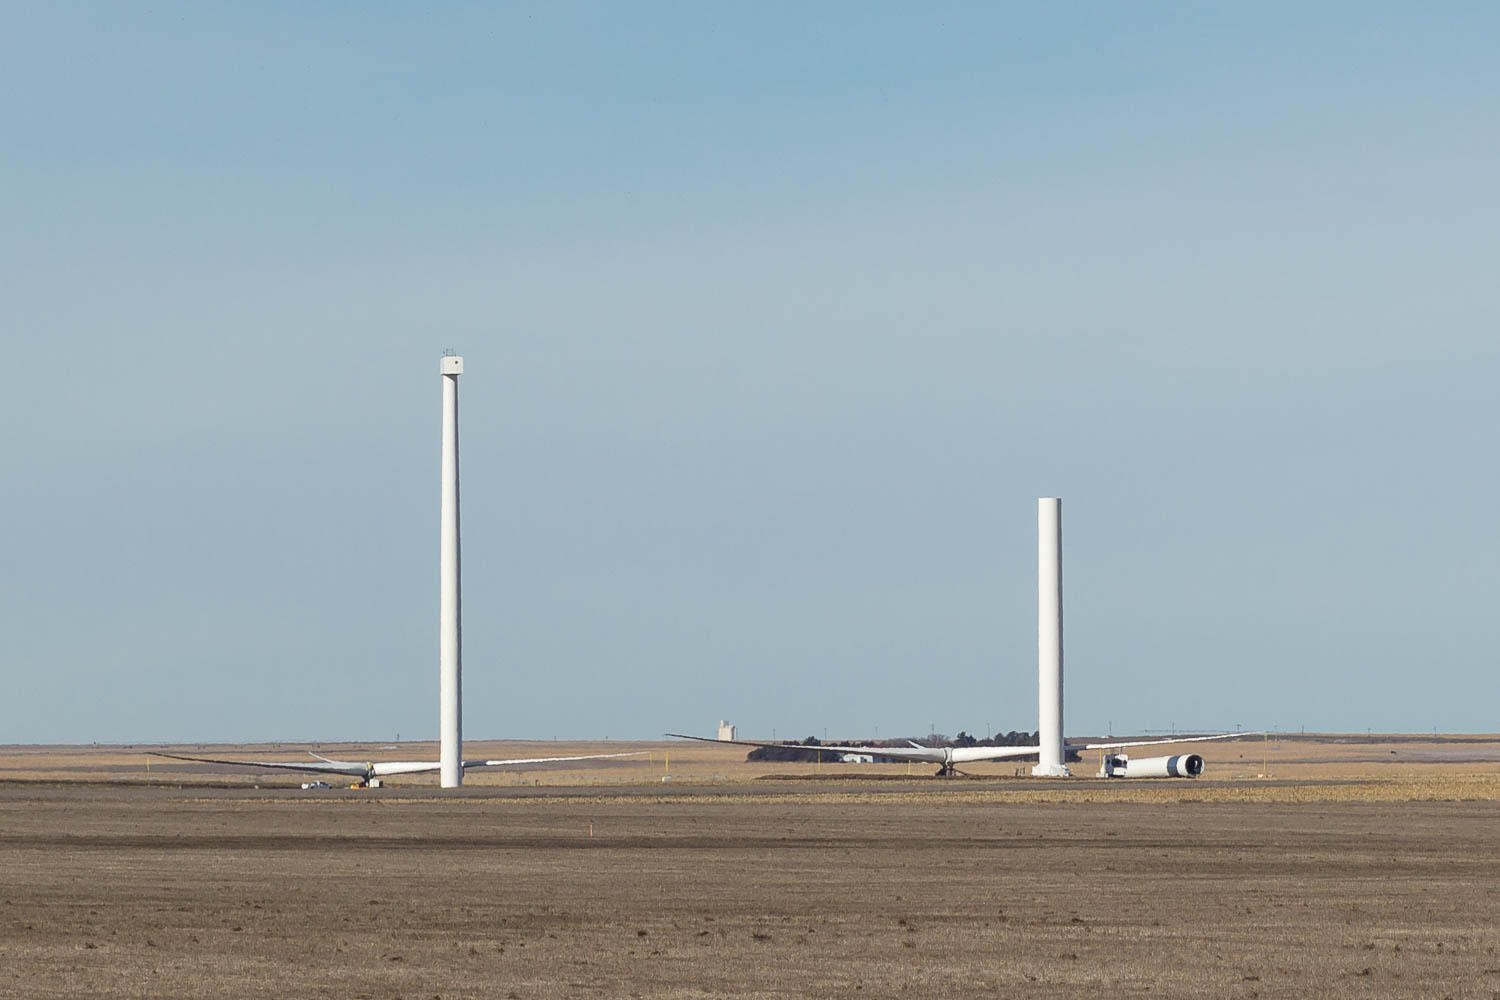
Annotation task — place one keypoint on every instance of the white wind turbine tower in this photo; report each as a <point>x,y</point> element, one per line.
<point>1049,639</point>
<point>450,627</point>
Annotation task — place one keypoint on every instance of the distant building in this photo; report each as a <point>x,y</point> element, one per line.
<point>726,731</point>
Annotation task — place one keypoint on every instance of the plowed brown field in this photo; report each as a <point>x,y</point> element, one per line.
<point>831,888</point>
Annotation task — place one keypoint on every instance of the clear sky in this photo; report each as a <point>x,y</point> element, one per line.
<point>777,320</point>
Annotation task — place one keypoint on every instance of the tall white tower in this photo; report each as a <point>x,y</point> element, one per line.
<point>450,623</point>
<point>1049,642</point>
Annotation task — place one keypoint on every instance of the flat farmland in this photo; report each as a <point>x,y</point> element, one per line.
<point>1382,885</point>
<point>1346,757</point>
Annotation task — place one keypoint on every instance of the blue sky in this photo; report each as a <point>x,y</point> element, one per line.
<point>777,321</point>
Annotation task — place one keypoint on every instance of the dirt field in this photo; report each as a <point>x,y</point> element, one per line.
<point>1382,884</point>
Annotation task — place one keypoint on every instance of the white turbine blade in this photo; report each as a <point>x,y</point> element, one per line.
<point>930,755</point>
<point>336,763</point>
<point>388,767</point>
<point>1153,743</point>
<point>548,760</point>
<point>920,755</point>
<point>968,755</point>
<point>332,767</point>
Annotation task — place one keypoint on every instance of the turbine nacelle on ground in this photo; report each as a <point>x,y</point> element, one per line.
<point>1183,765</point>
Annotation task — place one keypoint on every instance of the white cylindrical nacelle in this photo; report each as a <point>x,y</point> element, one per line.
<point>1049,625</point>
<point>1181,765</point>
<point>450,625</point>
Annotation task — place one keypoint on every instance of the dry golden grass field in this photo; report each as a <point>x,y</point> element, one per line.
<point>1351,871</point>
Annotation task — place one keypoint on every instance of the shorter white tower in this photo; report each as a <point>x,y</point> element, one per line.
<point>726,731</point>
<point>450,622</point>
<point>1049,639</point>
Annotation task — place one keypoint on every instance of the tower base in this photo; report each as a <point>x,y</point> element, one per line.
<point>1051,771</point>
